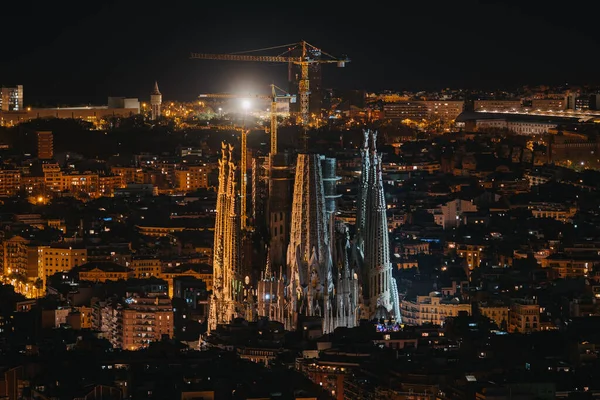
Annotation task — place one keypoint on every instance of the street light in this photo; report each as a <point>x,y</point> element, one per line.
<point>245,107</point>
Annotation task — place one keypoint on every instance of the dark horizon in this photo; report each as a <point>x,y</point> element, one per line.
<point>84,53</point>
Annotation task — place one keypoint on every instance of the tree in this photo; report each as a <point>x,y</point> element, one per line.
<point>39,285</point>
<point>19,281</point>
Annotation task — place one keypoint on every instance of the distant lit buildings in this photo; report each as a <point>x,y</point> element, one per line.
<point>15,256</point>
<point>202,272</point>
<point>117,107</point>
<point>45,145</point>
<point>449,215</point>
<point>445,110</point>
<point>10,182</point>
<point>56,180</point>
<point>432,308</point>
<point>412,110</point>
<point>133,323</point>
<point>583,101</point>
<point>569,266</point>
<point>418,110</point>
<point>522,124</point>
<point>472,254</point>
<point>571,149</point>
<point>520,127</point>
<point>11,98</point>
<point>58,258</point>
<point>548,104</point>
<point>146,267</point>
<point>104,271</point>
<point>524,316</point>
<point>558,211</point>
<point>497,313</point>
<point>145,320</point>
<point>497,105</point>
<point>191,177</point>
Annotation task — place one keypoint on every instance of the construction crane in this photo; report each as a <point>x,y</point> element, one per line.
<point>273,97</point>
<point>309,55</point>
<point>243,136</point>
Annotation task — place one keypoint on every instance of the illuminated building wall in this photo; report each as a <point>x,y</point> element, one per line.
<point>549,104</point>
<point>559,212</point>
<point>145,320</point>
<point>445,110</point>
<point>129,174</point>
<point>91,184</point>
<point>81,318</point>
<point>10,182</point>
<point>192,177</point>
<point>530,127</point>
<point>569,267</point>
<point>53,259</point>
<point>15,256</point>
<point>102,272</point>
<point>498,314</point>
<point>471,253</point>
<point>496,105</point>
<point>52,176</point>
<point>90,114</point>
<point>108,183</point>
<point>197,273</point>
<point>45,145</point>
<point>431,309</point>
<point>412,110</point>
<point>418,110</point>
<point>146,267</point>
<point>32,183</point>
<point>76,183</point>
<point>524,316</point>
<point>571,150</point>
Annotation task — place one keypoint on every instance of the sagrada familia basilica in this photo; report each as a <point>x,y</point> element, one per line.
<point>324,274</point>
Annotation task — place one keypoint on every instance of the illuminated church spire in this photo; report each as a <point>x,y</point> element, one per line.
<point>227,282</point>
<point>381,287</point>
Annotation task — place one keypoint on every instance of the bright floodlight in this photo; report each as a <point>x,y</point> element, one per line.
<point>246,104</point>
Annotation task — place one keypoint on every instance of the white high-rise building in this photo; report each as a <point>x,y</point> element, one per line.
<point>11,98</point>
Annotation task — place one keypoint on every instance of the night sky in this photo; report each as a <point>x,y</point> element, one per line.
<point>73,52</point>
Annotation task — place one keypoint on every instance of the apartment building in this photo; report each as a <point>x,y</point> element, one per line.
<point>10,182</point>
<point>524,316</point>
<point>144,320</point>
<point>433,308</point>
<point>191,177</point>
<point>58,258</point>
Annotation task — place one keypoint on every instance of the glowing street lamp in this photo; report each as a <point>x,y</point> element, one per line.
<point>245,107</point>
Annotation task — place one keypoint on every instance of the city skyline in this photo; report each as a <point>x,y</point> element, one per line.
<point>406,240</point>
<point>88,52</point>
